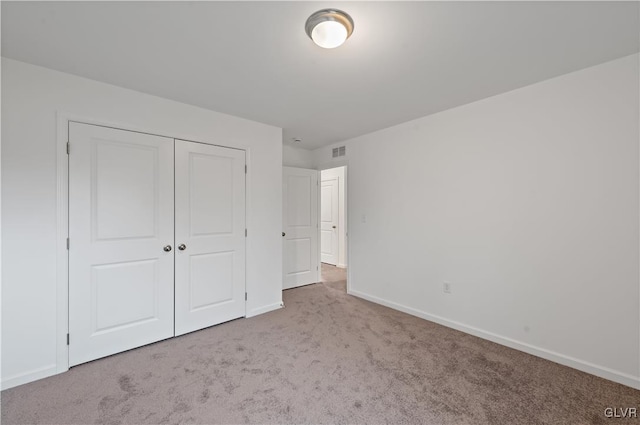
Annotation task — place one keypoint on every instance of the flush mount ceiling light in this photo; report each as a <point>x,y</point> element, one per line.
<point>329,28</point>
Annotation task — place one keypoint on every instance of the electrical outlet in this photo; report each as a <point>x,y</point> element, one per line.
<point>446,287</point>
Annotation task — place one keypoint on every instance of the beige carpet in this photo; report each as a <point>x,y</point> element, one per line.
<point>326,358</point>
<point>334,277</point>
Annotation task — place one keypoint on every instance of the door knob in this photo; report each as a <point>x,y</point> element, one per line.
<point>333,227</point>
<point>167,248</point>
<point>283,234</point>
<point>182,247</point>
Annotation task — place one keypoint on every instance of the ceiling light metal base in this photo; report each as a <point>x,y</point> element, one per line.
<point>329,15</point>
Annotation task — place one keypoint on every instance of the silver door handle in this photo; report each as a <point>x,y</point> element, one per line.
<point>167,248</point>
<point>182,247</point>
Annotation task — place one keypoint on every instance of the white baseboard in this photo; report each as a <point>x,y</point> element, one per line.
<point>32,375</point>
<point>265,309</point>
<point>602,372</point>
<point>341,266</point>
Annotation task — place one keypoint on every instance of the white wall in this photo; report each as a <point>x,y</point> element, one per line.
<point>31,98</point>
<point>339,174</point>
<point>296,157</point>
<point>527,203</point>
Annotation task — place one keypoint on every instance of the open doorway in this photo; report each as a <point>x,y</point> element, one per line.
<point>333,227</point>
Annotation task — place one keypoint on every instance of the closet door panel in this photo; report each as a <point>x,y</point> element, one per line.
<point>210,235</point>
<point>121,217</point>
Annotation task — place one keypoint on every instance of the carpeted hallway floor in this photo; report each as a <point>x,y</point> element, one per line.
<point>326,358</point>
<point>333,276</point>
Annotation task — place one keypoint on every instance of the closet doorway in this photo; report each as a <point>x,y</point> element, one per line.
<point>156,238</point>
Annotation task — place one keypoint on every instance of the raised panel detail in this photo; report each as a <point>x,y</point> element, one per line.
<point>124,294</point>
<point>299,211</point>
<point>299,252</point>
<point>211,279</point>
<point>326,206</point>
<point>210,194</point>
<point>125,191</point>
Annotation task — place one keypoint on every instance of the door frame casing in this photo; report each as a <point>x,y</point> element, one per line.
<point>62,219</point>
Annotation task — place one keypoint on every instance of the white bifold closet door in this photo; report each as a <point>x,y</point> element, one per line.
<point>120,223</point>
<point>210,235</point>
<point>141,267</point>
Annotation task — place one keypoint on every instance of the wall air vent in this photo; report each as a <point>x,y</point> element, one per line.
<point>340,151</point>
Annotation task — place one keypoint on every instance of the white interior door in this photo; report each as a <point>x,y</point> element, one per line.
<point>120,237</point>
<point>329,221</point>
<point>300,227</point>
<point>210,235</point>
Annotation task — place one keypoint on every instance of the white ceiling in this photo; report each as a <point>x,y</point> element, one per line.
<point>254,60</point>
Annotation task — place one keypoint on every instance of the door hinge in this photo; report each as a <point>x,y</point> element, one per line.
<point>67,339</point>
<point>245,233</point>
<point>245,169</point>
<point>245,296</point>
<point>67,243</point>
<point>68,148</point>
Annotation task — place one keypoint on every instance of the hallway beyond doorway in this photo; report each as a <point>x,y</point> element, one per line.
<point>333,276</point>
